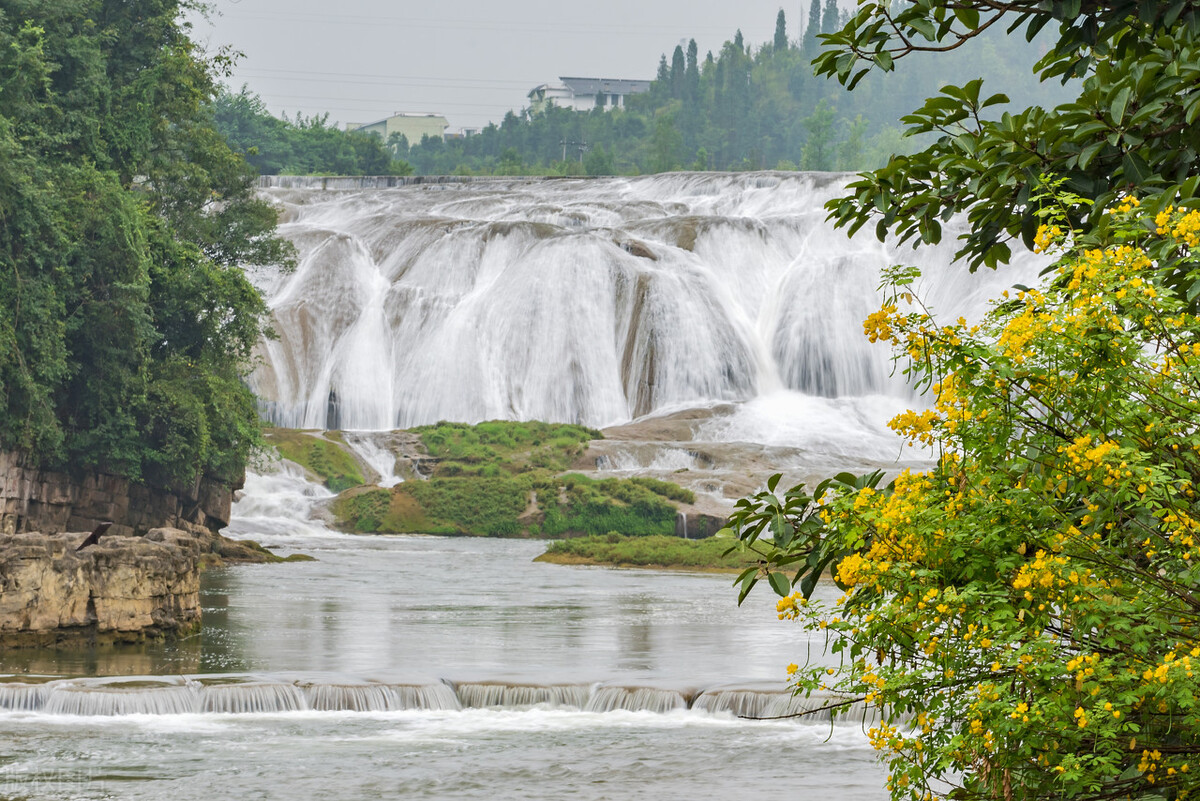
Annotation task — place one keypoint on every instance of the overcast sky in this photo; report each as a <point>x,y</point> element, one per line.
<point>471,60</point>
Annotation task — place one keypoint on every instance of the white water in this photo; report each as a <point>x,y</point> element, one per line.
<point>440,669</point>
<point>278,499</point>
<point>376,454</point>
<point>591,301</point>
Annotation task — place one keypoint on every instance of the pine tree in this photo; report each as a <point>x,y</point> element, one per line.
<point>781,42</point>
<point>829,22</point>
<point>678,70</point>
<point>692,77</point>
<point>814,27</point>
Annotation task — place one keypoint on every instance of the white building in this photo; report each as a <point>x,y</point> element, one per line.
<point>584,94</point>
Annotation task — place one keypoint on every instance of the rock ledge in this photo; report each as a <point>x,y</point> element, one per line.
<point>124,589</point>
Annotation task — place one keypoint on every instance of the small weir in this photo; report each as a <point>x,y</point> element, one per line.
<point>247,695</point>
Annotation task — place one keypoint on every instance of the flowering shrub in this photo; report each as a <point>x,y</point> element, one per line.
<point>1026,614</point>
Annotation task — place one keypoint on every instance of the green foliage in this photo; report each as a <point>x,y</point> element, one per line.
<point>652,551</point>
<point>126,323</point>
<point>336,467</point>
<point>1027,604</point>
<point>1130,124</point>
<point>366,511</point>
<point>488,506</point>
<point>611,504</point>
<point>300,146</point>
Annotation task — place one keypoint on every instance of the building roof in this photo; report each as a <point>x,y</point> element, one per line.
<point>407,114</point>
<point>611,86</point>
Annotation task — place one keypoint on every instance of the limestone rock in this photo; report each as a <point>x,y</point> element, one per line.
<point>121,589</point>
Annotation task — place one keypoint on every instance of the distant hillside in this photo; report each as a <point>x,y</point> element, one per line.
<point>745,107</point>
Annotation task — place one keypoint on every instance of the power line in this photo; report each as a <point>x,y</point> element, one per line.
<point>416,82</point>
<point>459,25</point>
<point>389,77</point>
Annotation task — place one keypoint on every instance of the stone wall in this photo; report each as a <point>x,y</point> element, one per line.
<point>122,589</point>
<point>49,502</point>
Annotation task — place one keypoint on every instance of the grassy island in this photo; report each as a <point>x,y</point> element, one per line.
<point>615,550</point>
<point>498,478</point>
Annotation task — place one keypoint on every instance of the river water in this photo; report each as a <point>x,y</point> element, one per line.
<point>422,667</point>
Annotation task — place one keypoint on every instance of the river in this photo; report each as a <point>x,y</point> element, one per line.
<point>422,667</point>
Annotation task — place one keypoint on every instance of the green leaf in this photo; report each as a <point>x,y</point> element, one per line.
<point>780,584</point>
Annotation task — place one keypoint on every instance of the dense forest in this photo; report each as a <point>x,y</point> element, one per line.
<point>744,107</point>
<point>126,320</point>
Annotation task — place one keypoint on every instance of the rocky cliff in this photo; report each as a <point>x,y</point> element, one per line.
<point>49,501</point>
<point>122,589</point>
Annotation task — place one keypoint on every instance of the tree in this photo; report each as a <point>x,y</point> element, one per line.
<point>678,72</point>
<point>126,321</point>
<point>692,74</point>
<point>829,19</point>
<point>1028,603</point>
<point>819,149</point>
<point>1129,128</point>
<point>781,42</point>
<point>813,28</point>
<point>1026,607</point>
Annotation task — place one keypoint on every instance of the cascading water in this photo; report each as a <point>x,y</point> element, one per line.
<point>591,301</point>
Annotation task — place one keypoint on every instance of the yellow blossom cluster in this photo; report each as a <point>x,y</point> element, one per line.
<point>916,426</point>
<point>878,326</point>
<point>1046,237</point>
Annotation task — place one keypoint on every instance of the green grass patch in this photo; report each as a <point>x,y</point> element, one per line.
<point>656,551</point>
<point>470,505</point>
<point>512,446</point>
<point>336,468</point>
<point>598,506</point>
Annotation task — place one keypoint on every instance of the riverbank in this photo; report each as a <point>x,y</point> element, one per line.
<point>656,552</point>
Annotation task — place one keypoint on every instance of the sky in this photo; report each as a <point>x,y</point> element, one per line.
<point>470,60</point>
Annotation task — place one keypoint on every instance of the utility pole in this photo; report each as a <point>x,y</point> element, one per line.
<point>583,146</point>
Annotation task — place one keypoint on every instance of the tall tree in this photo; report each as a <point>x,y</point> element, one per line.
<point>829,20</point>
<point>813,28</point>
<point>781,42</point>
<point>678,72</point>
<point>692,77</point>
<point>1129,127</point>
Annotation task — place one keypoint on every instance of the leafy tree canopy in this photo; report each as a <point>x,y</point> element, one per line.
<point>300,146</point>
<point>1135,68</point>
<point>126,322</point>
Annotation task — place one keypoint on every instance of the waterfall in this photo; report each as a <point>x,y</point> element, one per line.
<point>368,447</point>
<point>278,500</point>
<point>249,695</point>
<point>636,699</point>
<point>574,696</point>
<point>589,301</point>
<point>252,698</point>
